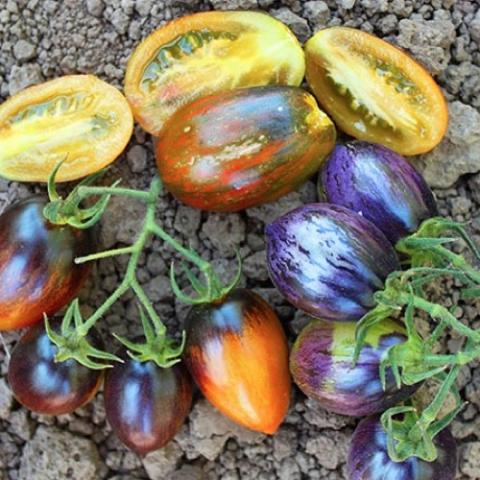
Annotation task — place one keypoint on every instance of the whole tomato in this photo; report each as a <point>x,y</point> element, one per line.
<point>45,386</point>
<point>37,270</point>
<point>146,404</point>
<point>237,354</point>
<point>240,148</point>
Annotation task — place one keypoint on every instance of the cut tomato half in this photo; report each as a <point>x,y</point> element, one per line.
<point>206,53</point>
<point>374,91</point>
<point>79,119</point>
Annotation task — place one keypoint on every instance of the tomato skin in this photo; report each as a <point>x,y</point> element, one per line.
<point>237,354</point>
<point>374,91</point>
<point>45,386</point>
<point>146,405</point>
<point>368,457</point>
<point>237,149</point>
<point>37,270</point>
<point>321,362</point>
<point>208,52</point>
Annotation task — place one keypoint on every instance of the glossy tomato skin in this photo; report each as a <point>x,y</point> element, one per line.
<point>145,404</point>
<point>237,354</point>
<point>328,261</point>
<point>45,386</point>
<point>240,148</point>
<point>37,269</point>
<point>321,363</point>
<point>374,91</point>
<point>368,457</point>
<point>208,52</point>
<point>381,185</point>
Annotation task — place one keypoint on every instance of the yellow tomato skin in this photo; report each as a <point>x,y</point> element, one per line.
<point>374,91</point>
<point>79,119</point>
<point>205,53</point>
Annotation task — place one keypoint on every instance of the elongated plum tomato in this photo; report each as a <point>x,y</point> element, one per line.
<point>145,404</point>
<point>368,457</point>
<point>237,354</point>
<point>37,270</point>
<point>205,53</point>
<point>380,184</point>
<point>374,91</point>
<point>328,260</point>
<point>45,386</point>
<point>77,118</point>
<point>237,149</point>
<point>321,363</point>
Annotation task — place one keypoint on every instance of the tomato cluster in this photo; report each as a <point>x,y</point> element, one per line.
<point>220,92</point>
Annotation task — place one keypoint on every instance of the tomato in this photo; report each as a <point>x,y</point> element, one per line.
<point>45,386</point>
<point>145,404</point>
<point>236,149</point>
<point>78,118</point>
<point>208,52</point>
<point>368,457</point>
<point>374,91</point>
<point>37,269</point>
<point>237,354</point>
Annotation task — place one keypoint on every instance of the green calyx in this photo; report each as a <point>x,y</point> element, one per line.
<point>410,429</point>
<point>158,347</point>
<point>67,211</point>
<point>72,342</point>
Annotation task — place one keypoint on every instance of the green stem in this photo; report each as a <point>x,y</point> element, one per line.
<point>84,192</point>
<point>105,254</point>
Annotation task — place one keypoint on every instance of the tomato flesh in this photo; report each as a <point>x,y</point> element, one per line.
<point>78,118</point>
<point>374,91</point>
<point>37,270</point>
<point>208,52</point>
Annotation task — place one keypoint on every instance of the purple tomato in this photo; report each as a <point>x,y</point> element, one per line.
<point>328,260</point>
<point>368,457</point>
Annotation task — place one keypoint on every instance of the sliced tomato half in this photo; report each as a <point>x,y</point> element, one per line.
<point>374,91</point>
<point>206,53</point>
<point>76,118</point>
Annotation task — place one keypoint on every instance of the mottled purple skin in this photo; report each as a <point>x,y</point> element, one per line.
<point>368,457</point>
<point>328,260</point>
<point>381,185</point>
<point>321,365</point>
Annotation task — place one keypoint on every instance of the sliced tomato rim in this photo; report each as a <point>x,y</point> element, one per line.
<point>408,102</point>
<point>155,79</point>
<point>78,119</point>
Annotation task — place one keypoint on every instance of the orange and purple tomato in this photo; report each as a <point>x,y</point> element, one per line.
<point>328,261</point>
<point>45,386</point>
<point>237,354</point>
<point>321,363</point>
<point>236,149</point>
<point>37,270</point>
<point>145,404</point>
<point>368,457</point>
<point>381,185</point>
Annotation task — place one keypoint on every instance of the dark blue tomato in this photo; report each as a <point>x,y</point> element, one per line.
<point>45,386</point>
<point>145,404</point>
<point>368,457</point>
<point>328,260</point>
<point>321,363</point>
<point>381,185</point>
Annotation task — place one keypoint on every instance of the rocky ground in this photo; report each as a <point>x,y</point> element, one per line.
<point>42,39</point>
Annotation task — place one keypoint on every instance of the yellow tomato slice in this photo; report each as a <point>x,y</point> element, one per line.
<point>374,91</point>
<point>206,53</point>
<point>76,118</point>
